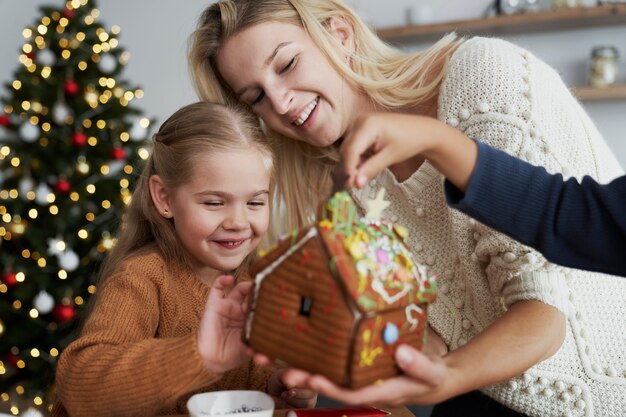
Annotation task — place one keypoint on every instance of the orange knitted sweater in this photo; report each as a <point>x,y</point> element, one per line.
<point>137,353</point>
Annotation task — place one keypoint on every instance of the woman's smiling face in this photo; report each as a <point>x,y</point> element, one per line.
<point>279,71</point>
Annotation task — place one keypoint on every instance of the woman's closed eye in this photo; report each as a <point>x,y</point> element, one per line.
<point>289,65</point>
<point>258,98</point>
<point>286,68</point>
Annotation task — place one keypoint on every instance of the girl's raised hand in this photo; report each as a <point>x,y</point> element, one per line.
<point>219,336</point>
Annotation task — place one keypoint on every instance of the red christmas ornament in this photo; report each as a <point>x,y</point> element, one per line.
<point>79,139</point>
<point>12,359</point>
<point>71,87</point>
<point>10,279</point>
<point>118,154</point>
<point>63,186</point>
<point>68,13</point>
<point>4,120</point>
<point>63,313</point>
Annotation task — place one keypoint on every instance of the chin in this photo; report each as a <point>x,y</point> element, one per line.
<point>321,142</point>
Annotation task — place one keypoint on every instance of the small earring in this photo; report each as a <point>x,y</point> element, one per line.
<point>166,212</point>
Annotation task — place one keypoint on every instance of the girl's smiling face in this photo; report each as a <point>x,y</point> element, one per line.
<point>222,212</point>
<point>279,71</point>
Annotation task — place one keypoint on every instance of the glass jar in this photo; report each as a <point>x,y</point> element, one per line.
<point>604,68</point>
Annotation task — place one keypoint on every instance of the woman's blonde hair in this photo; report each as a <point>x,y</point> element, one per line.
<point>192,132</point>
<point>391,78</point>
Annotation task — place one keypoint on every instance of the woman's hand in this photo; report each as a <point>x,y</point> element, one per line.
<point>286,396</point>
<point>424,370</point>
<point>219,336</point>
<point>426,381</point>
<point>401,142</point>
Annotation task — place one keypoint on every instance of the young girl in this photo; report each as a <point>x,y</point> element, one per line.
<point>163,324</point>
<point>538,339</point>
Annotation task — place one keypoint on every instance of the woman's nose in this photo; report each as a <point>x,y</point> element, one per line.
<point>281,99</point>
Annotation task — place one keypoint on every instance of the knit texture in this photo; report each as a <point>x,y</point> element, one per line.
<point>508,98</point>
<point>576,224</point>
<point>137,354</point>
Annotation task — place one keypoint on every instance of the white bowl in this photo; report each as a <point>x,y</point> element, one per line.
<point>231,404</point>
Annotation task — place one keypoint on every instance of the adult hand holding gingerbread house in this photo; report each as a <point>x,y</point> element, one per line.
<point>338,297</point>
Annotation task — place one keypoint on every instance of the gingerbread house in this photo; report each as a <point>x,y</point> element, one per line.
<point>338,297</point>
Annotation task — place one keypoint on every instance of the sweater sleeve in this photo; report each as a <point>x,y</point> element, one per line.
<point>580,225</point>
<point>118,367</point>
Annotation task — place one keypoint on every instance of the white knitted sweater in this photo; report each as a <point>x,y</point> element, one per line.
<point>501,94</point>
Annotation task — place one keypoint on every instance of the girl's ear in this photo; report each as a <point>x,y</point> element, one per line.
<point>160,196</point>
<point>341,29</point>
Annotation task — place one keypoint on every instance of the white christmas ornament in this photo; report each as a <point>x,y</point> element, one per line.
<point>43,302</point>
<point>60,112</point>
<point>115,167</point>
<point>26,185</point>
<point>32,412</point>
<point>29,132</point>
<point>137,132</point>
<point>56,246</point>
<point>107,63</point>
<point>68,260</point>
<point>46,57</point>
<point>41,194</point>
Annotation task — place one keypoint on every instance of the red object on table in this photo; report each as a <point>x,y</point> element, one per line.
<point>337,412</point>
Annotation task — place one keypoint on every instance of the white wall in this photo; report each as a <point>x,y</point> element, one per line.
<point>155,33</point>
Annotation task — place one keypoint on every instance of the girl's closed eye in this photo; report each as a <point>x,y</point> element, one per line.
<point>214,203</point>
<point>256,203</point>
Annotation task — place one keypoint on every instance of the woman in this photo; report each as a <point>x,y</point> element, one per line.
<point>519,329</point>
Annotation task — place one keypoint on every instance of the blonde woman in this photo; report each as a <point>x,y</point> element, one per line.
<point>534,338</point>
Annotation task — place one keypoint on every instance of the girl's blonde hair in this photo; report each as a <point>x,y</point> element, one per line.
<point>391,78</point>
<point>190,133</point>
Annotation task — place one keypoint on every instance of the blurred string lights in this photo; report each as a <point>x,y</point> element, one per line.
<point>71,143</point>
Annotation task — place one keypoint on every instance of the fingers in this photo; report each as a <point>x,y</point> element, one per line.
<point>429,370</point>
<point>296,377</point>
<point>373,166</point>
<point>300,397</point>
<point>261,359</point>
<point>354,147</point>
<point>238,293</point>
<point>329,389</point>
<point>219,287</point>
<point>394,391</point>
<point>241,291</point>
<point>222,282</point>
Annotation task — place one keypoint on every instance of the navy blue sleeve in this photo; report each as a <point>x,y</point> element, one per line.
<point>580,225</point>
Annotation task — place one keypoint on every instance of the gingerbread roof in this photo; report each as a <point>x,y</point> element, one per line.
<point>376,267</point>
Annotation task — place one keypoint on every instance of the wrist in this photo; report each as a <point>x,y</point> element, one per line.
<point>206,357</point>
<point>459,380</point>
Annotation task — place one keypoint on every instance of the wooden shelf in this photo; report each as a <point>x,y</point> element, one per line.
<point>573,18</point>
<point>615,92</point>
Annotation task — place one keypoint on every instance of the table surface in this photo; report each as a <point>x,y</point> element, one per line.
<point>394,412</point>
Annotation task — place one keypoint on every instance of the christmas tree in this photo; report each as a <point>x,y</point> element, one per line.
<point>71,146</point>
